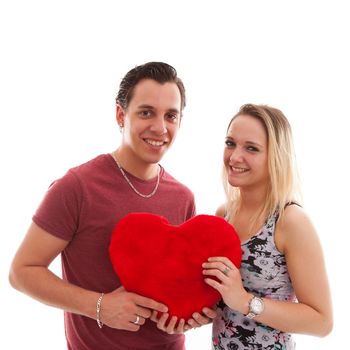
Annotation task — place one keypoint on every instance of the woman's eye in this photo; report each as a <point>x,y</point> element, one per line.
<point>229,143</point>
<point>252,149</point>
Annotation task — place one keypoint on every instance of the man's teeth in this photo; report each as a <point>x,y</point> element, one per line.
<point>155,143</point>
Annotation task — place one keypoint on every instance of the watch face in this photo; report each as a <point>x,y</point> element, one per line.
<point>257,306</point>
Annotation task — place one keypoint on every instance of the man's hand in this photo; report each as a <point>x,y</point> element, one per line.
<point>121,309</point>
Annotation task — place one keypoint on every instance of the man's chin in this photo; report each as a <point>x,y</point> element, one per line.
<point>155,157</point>
<point>153,160</point>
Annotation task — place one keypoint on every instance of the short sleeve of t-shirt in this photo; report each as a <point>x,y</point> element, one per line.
<point>60,208</point>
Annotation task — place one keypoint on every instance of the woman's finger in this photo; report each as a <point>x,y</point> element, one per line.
<point>162,321</point>
<point>223,260</point>
<point>180,327</point>
<point>216,285</point>
<point>219,266</point>
<point>220,275</point>
<point>170,328</point>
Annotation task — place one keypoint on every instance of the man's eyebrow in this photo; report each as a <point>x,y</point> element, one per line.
<point>174,110</point>
<point>146,106</point>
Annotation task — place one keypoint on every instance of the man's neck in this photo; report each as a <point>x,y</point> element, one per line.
<point>134,165</point>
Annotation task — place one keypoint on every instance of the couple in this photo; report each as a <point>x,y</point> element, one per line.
<point>281,287</point>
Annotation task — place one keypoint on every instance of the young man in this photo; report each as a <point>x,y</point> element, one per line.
<point>80,210</point>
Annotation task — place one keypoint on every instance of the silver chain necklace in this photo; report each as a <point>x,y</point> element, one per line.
<point>132,186</point>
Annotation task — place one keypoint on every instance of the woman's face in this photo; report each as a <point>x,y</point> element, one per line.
<point>245,154</point>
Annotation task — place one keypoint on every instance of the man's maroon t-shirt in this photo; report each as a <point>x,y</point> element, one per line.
<point>83,207</point>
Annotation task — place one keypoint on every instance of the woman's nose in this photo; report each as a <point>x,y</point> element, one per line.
<point>236,155</point>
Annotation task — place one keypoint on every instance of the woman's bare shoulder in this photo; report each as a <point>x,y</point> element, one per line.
<point>221,211</point>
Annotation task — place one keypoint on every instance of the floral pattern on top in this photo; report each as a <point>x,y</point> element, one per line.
<point>264,273</point>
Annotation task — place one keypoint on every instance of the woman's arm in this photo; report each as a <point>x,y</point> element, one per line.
<point>221,211</point>
<point>297,239</point>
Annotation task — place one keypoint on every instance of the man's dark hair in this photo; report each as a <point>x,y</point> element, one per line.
<point>158,71</point>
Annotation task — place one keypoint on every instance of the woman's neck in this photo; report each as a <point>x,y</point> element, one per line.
<point>252,200</point>
<point>247,218</point>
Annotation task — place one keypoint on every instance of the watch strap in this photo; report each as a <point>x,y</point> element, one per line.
<point>251,315</point>
<point>253,311</point>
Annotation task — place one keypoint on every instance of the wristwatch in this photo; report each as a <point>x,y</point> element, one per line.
<point>256,307</point>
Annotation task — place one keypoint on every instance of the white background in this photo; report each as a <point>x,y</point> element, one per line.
<point>61,64</point>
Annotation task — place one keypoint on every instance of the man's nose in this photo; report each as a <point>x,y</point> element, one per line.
<point>159,126</point>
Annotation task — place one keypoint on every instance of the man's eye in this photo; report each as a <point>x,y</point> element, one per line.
<point>172,117</point>
<point>145,114</point>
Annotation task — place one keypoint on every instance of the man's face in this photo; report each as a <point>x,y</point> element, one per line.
<point>151,121</point>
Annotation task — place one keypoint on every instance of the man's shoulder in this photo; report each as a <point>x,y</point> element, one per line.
<point>98,161</point>
<point>96,165</point>
<point>85,173</point>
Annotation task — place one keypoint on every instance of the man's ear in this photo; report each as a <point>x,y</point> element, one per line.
<point>120,115</point>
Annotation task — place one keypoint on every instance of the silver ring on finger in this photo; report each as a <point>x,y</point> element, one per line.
<point>137,320</point>
<point>226,270</point>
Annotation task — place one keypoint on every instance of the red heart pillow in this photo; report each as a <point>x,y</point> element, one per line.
<point>164,262</point>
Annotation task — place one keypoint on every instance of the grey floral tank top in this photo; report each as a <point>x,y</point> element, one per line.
<point>264,273</point>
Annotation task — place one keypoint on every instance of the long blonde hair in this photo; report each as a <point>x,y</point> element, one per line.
<point>283,186</point>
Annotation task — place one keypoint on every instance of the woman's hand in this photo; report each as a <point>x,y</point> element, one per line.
<point>172,326</point>
<point>201,319</point>
<point>227,282</point>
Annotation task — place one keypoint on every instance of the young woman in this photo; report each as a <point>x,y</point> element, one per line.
<point>281,287</point>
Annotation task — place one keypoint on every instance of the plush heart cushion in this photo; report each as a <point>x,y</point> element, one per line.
<point>164,262</point>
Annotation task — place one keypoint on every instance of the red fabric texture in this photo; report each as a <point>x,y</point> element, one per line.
<point>164,262</point>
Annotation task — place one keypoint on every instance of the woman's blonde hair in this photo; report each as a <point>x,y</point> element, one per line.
<point>283,186</point>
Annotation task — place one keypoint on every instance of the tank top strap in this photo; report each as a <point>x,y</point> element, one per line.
<point>276,214</point>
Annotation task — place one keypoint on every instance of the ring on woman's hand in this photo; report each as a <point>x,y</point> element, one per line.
<point>137,319</point>
<point>226,270</point>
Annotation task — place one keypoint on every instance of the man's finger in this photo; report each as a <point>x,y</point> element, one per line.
<point>145,313</point>
<point>149,303</point>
